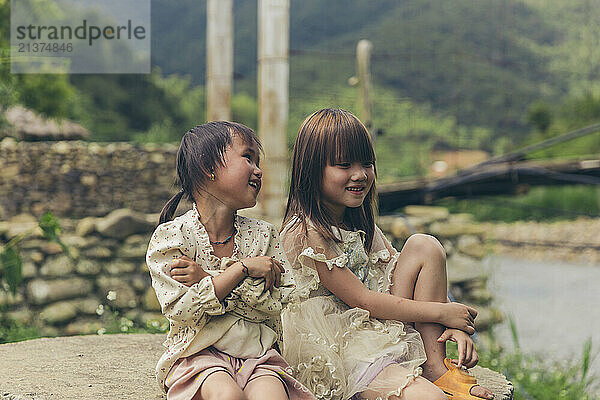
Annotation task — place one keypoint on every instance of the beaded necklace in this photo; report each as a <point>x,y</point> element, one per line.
<point>224,242</point>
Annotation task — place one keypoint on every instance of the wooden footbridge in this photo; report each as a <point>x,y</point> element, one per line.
<point>507,174</point>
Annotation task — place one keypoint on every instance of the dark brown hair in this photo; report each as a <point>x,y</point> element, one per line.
<point>327,137</point>
<point>201,151</point>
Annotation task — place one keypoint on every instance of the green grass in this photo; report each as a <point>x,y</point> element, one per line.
<point>13,331</point>
<point>536,378</point>
<point>539,204</point>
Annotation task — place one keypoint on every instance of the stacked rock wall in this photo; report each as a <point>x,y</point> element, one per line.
<point>102,284</point>
<point>77,179</point>
<point>106,271</point>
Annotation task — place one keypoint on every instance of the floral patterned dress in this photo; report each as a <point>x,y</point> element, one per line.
<point>247,323</point>
<point>329,345</point>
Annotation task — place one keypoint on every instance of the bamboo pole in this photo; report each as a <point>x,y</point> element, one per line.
<point>273,79</point>
<point>219,59</point>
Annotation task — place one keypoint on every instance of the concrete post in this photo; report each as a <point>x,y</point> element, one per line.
<point>363,66</point>
<point>273,79</point>
<point>219,59</point>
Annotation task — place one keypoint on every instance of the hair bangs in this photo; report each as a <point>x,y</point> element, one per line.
<point>352,144</point>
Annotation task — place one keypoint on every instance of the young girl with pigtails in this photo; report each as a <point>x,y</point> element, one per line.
<point>221,279</point>
<point>366,321</point>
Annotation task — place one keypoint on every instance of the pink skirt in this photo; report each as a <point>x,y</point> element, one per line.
<point>189,373</point>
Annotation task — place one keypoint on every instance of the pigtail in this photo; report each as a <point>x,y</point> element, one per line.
<point>169,209</point>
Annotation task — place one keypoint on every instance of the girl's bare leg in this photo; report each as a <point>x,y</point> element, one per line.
<point>420,274</point>
<point>219,385</point>
<point>393,377</point>
<point>265,387</point>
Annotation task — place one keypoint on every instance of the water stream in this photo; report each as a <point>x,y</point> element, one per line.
<point>555,306</point>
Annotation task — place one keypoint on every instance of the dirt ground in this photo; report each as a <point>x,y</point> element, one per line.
<point>107,367</point>
<point>81,367</point>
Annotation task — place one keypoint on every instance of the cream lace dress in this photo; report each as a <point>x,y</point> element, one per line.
<point>329,345</point>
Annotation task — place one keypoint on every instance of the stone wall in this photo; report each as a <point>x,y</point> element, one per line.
<point>77,179</point>
<point>103,284</point>
<point>106,272</point>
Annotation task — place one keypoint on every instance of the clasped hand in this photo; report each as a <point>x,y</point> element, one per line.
<point>459,316</point>
<point>264,267</point>
<point>187,271</point>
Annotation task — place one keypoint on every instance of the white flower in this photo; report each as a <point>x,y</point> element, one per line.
<point>100,309</point>
<point>101,331</point>
<point>112,295</point>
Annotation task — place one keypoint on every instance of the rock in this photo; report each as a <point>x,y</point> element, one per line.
<point>140,283</point>
<point>4,227</point>
<point>23,316</point>
<point>98,252</point>
<point>59,312</point>
<point>471,246</point>
<point>399,227</point>
<point>462,269</point>
<point>462,218</point>
<point>8,144</point>
<point>133,250</point>
<point>479,296</point>
<point>88,267</point>
<point>88,180</point>
<point>8,299</point>
<point>449,230</point>
<point>74,241</point>
<point>36,256</point>
<point>125,296</point>
<point>88,305</point>
<point>51,248</point>
<point>29,270</point>
<point>23,224</point>
<point>49,331</point>
<point>119,267</point>
<point>486,317</point>
<point>150,301</point>
<point>42,292</point>
<point>57,266</point>
<point>83,326</point>
<point>430,212</point>
<point>86,226</point>
<point>122,223</point>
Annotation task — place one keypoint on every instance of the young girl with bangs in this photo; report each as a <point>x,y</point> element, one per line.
<point>366,321</point>
<point>221,279</point>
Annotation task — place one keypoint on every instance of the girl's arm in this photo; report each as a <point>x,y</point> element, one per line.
<point>348,288</point>
<point>188,272</point>
<point>256,267</point>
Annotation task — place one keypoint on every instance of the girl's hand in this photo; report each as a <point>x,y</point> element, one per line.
<point>264,267</point>
<point>185,270</point>
<point>459,316</point>
<point>467,355</point>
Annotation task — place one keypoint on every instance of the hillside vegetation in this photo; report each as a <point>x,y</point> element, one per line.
<point>490,75</point>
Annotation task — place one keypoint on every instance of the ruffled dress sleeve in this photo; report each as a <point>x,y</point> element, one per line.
<point>187,305</point>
